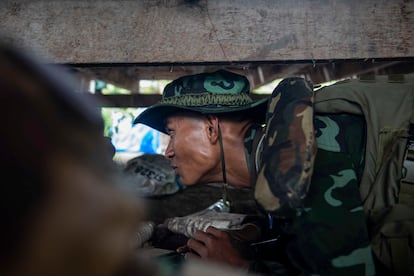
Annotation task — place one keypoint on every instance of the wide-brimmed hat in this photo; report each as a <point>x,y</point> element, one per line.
<point>206,93</point>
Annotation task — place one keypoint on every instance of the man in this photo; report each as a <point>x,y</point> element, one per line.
<point>219,134</point>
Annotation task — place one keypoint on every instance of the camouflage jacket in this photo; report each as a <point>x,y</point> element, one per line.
<point>325,222</point>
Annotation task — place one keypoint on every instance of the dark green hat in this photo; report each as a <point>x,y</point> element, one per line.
<point>206,93</point>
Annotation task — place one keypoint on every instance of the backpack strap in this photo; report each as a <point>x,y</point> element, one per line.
<point>253,145</point>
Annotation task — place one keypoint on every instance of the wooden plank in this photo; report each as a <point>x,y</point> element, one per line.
<point>161,31</point>
<point>124,101</point>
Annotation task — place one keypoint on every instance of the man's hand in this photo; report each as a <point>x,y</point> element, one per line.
<point>214,245</point>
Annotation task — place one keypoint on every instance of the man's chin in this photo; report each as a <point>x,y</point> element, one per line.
<point>187,183</point>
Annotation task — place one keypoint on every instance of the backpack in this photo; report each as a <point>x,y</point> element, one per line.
<point>386,103</point>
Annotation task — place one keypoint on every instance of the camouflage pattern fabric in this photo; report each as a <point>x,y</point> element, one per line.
<point>390,221</point>
<point>217,215</point>
<point>188,225</point>
<point>206,93</point>
<point>289,146</point>
<point>151,175</point>
<point>328,224</point>
<point>331,236</point>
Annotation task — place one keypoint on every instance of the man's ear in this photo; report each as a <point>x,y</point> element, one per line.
<point>212,125</point>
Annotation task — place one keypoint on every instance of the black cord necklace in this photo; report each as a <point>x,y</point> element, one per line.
<point>223,169</point>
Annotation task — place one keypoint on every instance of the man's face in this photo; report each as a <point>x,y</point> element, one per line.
<point>193,156</point>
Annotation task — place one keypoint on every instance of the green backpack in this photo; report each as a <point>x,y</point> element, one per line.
<point>386,103</point>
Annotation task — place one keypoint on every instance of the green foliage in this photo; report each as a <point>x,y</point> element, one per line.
<point>112,89</point>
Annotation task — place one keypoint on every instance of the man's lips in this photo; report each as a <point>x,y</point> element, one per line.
<point>175,168</point>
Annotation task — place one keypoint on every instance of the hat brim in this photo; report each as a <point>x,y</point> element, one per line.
<point>155,116</point>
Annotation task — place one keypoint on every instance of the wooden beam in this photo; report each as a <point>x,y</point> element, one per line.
<point>156,31</point>
<point>124,101</point>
